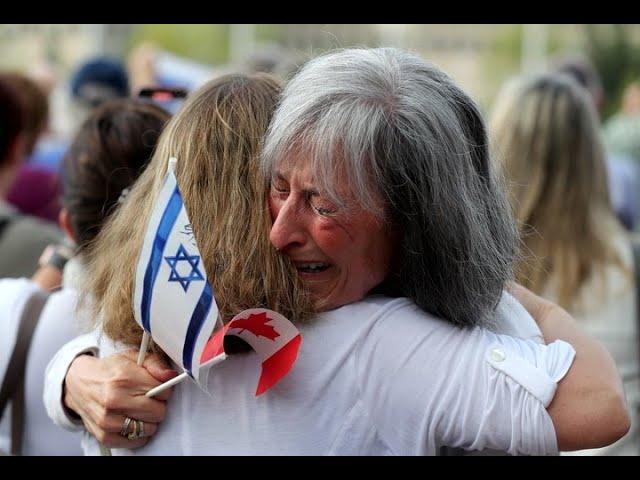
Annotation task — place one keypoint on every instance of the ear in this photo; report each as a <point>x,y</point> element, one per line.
<point>64,219</point>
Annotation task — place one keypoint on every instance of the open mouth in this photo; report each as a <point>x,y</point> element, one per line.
<point>312,267</point>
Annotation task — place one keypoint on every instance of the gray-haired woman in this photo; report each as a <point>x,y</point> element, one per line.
<point>383,198</point>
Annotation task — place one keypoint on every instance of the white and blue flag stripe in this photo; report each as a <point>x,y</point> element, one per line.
<point>173,300</point>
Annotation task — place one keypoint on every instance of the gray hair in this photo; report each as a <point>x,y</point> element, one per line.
<point>412,147</point>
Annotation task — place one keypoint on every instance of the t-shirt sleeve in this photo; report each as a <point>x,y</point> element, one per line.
<point>511,318</point>
<point>428,384</point>
<point>55,374</point>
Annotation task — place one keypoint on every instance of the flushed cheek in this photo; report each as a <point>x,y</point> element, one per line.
<point>333,242</point>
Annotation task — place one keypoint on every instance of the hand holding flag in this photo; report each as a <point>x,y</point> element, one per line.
<point>174,303</point>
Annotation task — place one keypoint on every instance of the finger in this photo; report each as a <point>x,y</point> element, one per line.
<point>145,409</point>
<point>104,438</point>
<point>130,355</point>
<point>149,429</point>
<point>125,376</point>
<point>129,402</point>
<point>153,372</point>
<point>158,368</point>
<point>154,363</point>
<point>93,429</point>
<point>115,423</point>
<point>115,440</point>
<point>164,395</point>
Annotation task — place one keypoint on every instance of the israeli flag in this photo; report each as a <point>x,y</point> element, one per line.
<point>173,300</point>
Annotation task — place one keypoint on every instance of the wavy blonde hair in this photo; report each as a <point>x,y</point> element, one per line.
<point>545,135</point>
<point>216,138</point>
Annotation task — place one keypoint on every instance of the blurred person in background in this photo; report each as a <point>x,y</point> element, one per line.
<point>623,170</point>
<point>52,144</point>
<point>22,237</point>
<point>92,83</point>
<point>36,189</point>
<point>622,130</point>
<point>275,60</point>
<point>151,66</point>
<point>95,82</point>
<point>36,105</point>
<point>545,134</point>
<point>110,151</point>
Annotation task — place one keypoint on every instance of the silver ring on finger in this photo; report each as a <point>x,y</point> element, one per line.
<point>124,431</point>
<point>134,434</point>
<point>140,425</point>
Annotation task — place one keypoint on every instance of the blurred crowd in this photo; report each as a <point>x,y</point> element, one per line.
<point>573,182</point>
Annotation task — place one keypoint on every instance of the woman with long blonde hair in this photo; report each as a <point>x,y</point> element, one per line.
<point>216,138</point>
<point>545,135</point>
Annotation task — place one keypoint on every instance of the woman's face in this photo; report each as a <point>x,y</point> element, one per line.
<point>340,256</point>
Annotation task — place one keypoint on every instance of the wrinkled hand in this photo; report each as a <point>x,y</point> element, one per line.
<point>103,392</point>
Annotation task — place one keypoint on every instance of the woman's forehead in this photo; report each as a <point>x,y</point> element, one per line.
<point>296,171</point>
<point>294,163</point>
<point>314,163</point>
<point>329,175</point>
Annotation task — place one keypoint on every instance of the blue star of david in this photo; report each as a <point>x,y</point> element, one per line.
<point>183,256</point>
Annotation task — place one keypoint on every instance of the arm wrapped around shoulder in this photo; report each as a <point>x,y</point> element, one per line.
<point>589,408</point>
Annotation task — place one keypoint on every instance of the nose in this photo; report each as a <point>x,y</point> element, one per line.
<point>288,230</point>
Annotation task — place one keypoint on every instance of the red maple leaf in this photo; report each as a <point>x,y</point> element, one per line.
<point>257,324</point>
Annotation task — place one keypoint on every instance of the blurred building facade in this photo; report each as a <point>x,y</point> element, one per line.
<point>478,56</point>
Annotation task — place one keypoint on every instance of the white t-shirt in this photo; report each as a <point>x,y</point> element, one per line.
<point>378,377</point>
<point>55,327</point>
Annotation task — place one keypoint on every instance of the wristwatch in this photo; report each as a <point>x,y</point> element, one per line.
<point>55,256</point>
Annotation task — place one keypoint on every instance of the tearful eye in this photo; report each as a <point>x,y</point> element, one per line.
<point>322,207</point>
<point>323,211</point>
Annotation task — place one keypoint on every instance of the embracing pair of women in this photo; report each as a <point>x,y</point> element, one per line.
<point>360,203</point>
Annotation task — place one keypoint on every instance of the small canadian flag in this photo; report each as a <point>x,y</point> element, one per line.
<point>274,338</point>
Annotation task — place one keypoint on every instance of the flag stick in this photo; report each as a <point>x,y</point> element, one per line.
<point>168,384</point>
<point>144,346</point>
<point>214,361</point>
<point>175,380</point>
<point>171,166</point>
